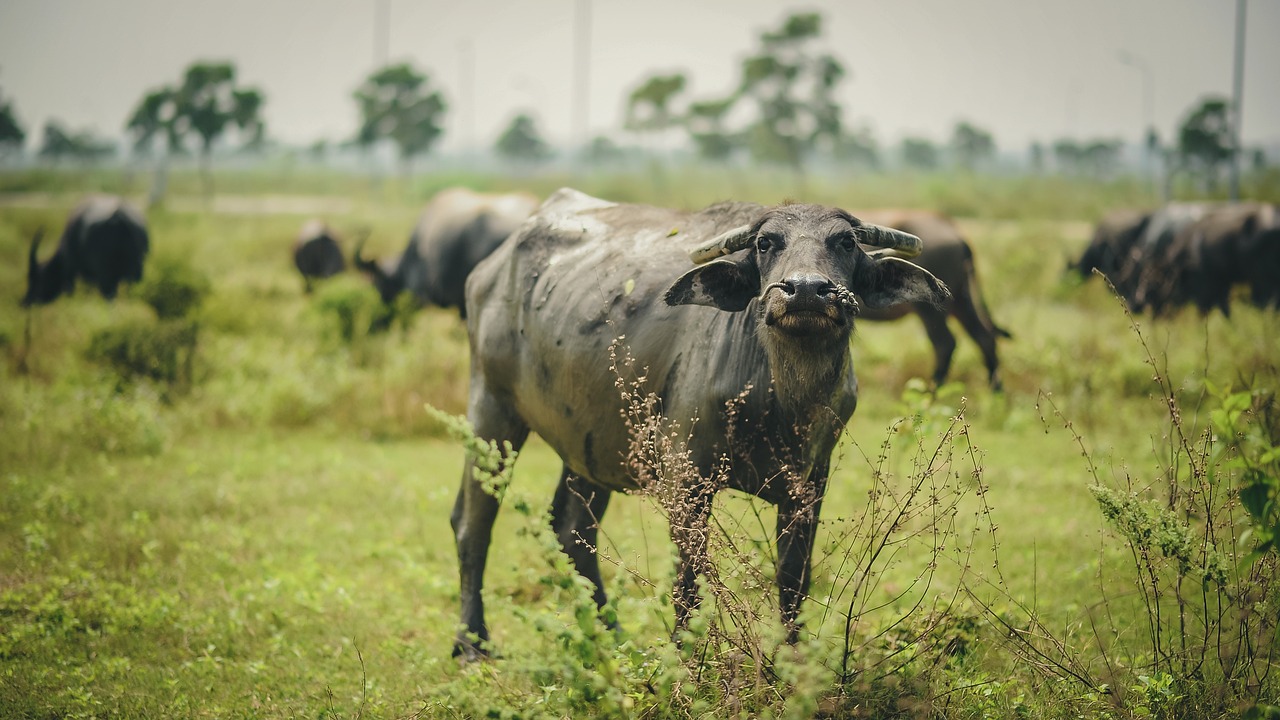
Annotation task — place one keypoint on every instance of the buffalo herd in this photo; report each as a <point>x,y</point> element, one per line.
<point>734,320</point>
<point>1188,254</point>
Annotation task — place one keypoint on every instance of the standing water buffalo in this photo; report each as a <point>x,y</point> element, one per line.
<point>747,357</point>
<point>457,229</point>
<point>1113,249</point>
<point>105,243</point>
<point>316,253</point>
<point>948,256</point>
<point>1225,247</point>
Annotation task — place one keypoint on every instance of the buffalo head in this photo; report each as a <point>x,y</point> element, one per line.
<point>384,273</point>
<point>45,281</point>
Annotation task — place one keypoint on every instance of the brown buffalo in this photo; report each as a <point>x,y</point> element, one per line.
<point>950,258</point>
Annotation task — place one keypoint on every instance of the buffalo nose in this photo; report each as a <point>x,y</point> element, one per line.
<point>808,286</point>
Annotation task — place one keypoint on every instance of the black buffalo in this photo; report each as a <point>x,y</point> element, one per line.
<point>457,229</point>
<point>317,253</point>
<point>746,355</point>
<point>949,257</point>
<point>1113,250</point>
<point>105,243</point>
<point>1230,244</point>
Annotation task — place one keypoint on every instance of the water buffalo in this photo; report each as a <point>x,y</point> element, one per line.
<point>1228,245</point>
<point>746,356</point>
<point>457,229</point>
<point>950,258</point>
<point>104,243</point>
<point>1113,249</point>
<point>1157,258</point>
<point>316,253</point>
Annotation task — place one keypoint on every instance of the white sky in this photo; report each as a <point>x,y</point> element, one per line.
<point>1022,69</point>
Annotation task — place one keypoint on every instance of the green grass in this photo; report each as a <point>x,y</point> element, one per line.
<point>273,540</point>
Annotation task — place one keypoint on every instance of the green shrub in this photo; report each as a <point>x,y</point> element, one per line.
<point>352,309</point>
<point>173,288</point>
<point>162,351</point>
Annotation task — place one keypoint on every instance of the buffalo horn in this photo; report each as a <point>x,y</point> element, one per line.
<point>359,261</point>
<point>723,244</point>
<point>33,262</point>
<point>902,244</point>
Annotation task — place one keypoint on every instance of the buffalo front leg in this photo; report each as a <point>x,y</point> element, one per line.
<point>797,529</point>
<point>689,528</point>
<point>472,519</point>
<point>575,517</point>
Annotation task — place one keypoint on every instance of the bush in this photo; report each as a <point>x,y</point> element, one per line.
<point>173,288</point>
<point>353,310</point>
<point>162,351</point>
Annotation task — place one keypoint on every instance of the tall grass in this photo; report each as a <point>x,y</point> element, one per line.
<point>272,539</point>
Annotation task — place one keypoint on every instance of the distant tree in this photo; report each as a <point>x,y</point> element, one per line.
<point>705,122</point>
<point>11,133</point>
<point>1204,140</point>
<point>971,145</point>
<point>858,148</point>
<point>793,87</point>
<point>1036,155</point>
<point>397,103</point>
<point>919,153</point>
<point>154,117</point>
<point>522,142</point>
<point>602,150</point>
<point>649,106</point>
<point>205,104</point>
<point>59,143</point>
<point>318,150</point>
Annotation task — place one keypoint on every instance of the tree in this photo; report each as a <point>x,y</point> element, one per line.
<point>858,148</point>
<point>649,106</point>
<point>1036,157</point>
<point>59,143</point>
<point>919,153</point>
<point>205,104</point>
<point>971,145</point>
<point>705,123</point>
<point>397,103</point>
<point>793,88</point>
<point>1204,140</point>
<point>522,142</point>
<point>11,133</point>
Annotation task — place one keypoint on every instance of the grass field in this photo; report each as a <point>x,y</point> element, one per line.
<point>267,534</point>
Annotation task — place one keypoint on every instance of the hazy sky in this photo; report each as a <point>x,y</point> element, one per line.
<point>1023,69</point>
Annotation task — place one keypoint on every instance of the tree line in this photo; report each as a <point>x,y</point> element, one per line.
<point>781,111</point>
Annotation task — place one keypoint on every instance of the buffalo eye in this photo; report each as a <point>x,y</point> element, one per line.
<point>847,242</point>
<point>763,244</point>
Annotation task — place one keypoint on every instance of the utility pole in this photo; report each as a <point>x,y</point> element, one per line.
<point>466,81</point>
<point>1237,101</point>
<point>381,32</point>
<point>1148,102</point>
<point>581,75</point>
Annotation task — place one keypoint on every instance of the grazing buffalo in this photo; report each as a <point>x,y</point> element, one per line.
<point>316,253</point>
<point>105,243</point>
<point>1157,258</point>
<point>1228,245</point>
<point>746,357</point>
<point>1113,249</point>
<point>457,229</point>
<point>950,258</point>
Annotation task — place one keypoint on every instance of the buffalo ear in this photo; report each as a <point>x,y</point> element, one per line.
<point>725,284</point>
<point>892,281</point>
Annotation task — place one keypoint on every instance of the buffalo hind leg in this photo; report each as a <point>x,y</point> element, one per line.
<point>984,334</point>
<point>944,343</point>
<point>472,519</point>
<point>575,517</point>
<point>796,530</point>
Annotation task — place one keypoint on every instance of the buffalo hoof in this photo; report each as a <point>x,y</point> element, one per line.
<point>467,652</point>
